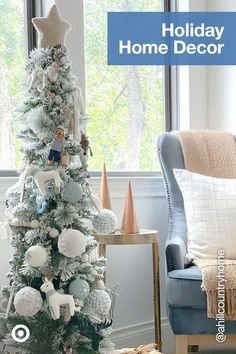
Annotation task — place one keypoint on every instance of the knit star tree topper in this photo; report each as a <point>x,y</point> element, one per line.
<point>52,29</point>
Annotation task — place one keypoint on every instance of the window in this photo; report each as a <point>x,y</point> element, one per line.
<point>125,104</point>
<point>12,61</point>
<point>14,45</point>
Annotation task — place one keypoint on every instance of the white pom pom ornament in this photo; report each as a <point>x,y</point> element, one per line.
<point>34,224</point>
<point>71,243</point>
<point>28,301</point>
<point>99,302</point>
<point>53,233</point>
<point>16,222</point>
<point>58,99</point>
<point>105,222</point>
<point>36,256</point>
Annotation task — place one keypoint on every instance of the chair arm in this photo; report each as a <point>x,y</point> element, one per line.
<point>175,254</point>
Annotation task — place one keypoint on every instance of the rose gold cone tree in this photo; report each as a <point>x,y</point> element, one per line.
<point>129,221</point>
<point>104,190</point>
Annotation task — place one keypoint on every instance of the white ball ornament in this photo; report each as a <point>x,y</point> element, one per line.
<point>72,192</point>
<point>53,233</point>
<point>16,222</point>
<point>28,301</point>
<point>36,256</point>
<point>34,224</point>
<point>57,99</point>
<point>105,222</point>
<point>79,288</point>
<point>99,302</point>
<point>71,243</point>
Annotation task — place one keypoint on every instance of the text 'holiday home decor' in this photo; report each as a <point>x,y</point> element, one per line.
<point>56,277</point>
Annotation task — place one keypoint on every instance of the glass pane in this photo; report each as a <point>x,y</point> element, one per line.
<point>12,75</point>
<point>125,104</point>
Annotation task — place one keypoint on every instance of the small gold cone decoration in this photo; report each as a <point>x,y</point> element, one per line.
<point>129,222</point>
<point>104,190</point>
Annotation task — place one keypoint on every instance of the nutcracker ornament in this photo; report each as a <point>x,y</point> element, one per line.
<point>57,146</point>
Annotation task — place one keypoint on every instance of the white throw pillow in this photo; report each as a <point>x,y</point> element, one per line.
<point>210,208</point>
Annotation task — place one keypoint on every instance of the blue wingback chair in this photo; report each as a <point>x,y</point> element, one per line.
<point>186,302</point>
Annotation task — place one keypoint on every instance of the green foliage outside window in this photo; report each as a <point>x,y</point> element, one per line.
<point>125,104</point>
<point>12,77</point>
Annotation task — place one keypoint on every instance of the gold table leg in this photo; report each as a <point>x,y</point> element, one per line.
<point>156,286</point>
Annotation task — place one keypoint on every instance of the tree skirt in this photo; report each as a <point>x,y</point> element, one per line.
<point>143,349</point>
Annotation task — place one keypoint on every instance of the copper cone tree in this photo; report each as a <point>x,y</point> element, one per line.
<point>129,222</point>
<point>104,190</point>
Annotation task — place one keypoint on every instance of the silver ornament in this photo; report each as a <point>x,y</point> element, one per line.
<point>79,288</point>
<point>105,222</point>
<point>28,301</point>
<point>72,192</point>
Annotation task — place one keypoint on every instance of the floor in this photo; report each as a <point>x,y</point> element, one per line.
<point>216,351</point>
<point>213,351</point>
<point>168,340</point>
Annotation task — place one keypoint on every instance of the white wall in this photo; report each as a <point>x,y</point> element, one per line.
<point>210,103</point>
<point>193,83</point>
<point>47,5</point>
<point>222,84</point>
<point>221,98</point>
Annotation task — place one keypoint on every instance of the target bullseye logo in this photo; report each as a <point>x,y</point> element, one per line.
<point>20,333</point>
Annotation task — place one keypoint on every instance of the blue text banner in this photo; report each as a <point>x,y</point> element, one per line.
<point>172,38</point>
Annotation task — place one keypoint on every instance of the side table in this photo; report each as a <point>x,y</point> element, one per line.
<point>144,237</point>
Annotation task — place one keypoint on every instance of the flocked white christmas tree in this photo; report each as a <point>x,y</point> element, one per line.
<point>56,283</point>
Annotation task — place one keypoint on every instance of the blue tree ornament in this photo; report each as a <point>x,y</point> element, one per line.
<point>79,288</point>
<point>72,192</point>
<point>41,204</point>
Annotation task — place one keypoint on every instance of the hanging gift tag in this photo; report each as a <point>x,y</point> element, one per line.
<point>10,301</point>
<point>64,159</point>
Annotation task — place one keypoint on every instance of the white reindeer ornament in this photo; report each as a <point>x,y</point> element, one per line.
<point>56,300</point>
